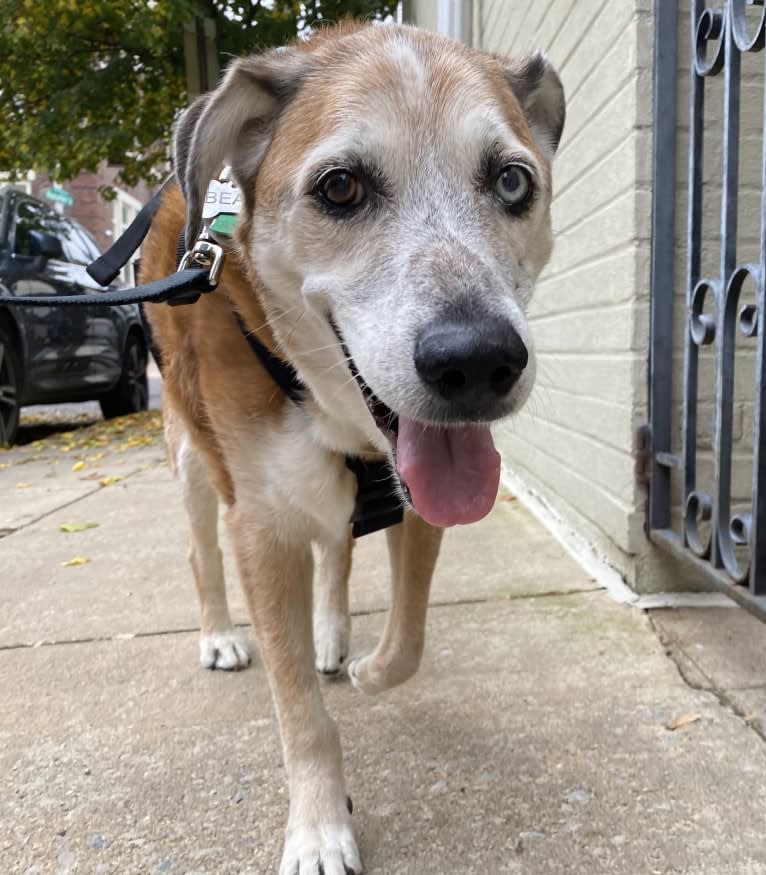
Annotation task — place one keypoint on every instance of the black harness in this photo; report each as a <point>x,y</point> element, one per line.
<point>378,503</point>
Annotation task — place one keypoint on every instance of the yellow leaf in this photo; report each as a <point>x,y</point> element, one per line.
<point>23,485</point>
<point>78,466</point>
<point>77,560</point>
<point>110,481</point>
<point>77,527</point>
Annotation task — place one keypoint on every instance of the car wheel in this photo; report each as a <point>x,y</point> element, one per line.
<point>10,388</point>
<point>131,394</point>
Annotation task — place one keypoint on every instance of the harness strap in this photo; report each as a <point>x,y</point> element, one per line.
<point>378,505</point>
<point>280,371</point>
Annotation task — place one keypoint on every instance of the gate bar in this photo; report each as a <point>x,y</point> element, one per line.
<point>663,245</point>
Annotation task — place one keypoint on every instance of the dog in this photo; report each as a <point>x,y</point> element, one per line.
<point>396,191</point>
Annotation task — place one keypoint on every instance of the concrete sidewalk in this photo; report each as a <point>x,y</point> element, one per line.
<point>550,730</point>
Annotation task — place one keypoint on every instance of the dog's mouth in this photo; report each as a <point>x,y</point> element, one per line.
<point>450,473</point>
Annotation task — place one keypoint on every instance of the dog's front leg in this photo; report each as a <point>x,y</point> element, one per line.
<point>413,548</point>
<point>276,570</point>
<point>332,622</point>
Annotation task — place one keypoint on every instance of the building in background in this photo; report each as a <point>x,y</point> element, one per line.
<point>81,199</point>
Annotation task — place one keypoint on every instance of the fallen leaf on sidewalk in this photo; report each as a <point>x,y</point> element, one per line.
<point>683,720</point>
<point>110,481</point>
<point>23,485</point>
<point>77,560</point>
<point>77,527</point>
<point>78,466</point>
<point>506,497</point>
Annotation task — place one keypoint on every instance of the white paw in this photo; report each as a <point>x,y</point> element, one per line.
<point>355,676</point>
<point>328,848</point>
<point>331,637</point>
<point>224,650</point>
<point>372,676</point>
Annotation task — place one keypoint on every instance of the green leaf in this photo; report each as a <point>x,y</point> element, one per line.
<point>77,527</point>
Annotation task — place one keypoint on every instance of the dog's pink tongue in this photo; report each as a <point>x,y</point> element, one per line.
<point>452,473</point>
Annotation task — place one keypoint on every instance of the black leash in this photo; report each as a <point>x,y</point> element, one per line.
<point>105,269</point>
<point>182,287</point>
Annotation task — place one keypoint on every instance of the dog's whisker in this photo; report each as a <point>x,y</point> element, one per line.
<point>272,320</point>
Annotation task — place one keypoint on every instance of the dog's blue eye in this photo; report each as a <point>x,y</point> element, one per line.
<point>341,188</point>
<point>513,186</point>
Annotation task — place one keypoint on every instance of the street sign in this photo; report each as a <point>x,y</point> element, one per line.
<point>58,196</point>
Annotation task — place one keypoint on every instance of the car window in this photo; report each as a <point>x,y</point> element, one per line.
<point>90,244</point>
<point>76,246</point>
<point>31,216</point>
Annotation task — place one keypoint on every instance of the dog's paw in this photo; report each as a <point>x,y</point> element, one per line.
<point>326,849</point>
<point>226,651</point>
<point>371,675</point>
<point>331,639</point>
<point>362,677</point>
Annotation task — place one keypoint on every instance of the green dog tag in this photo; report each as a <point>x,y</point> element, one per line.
<point>224,224</point>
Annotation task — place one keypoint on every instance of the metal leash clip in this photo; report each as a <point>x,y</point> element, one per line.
<point>205,253</point>
<point>219,216</point>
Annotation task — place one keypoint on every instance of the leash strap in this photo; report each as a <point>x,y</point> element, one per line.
<point>183,287</point>
<point>104,270</point>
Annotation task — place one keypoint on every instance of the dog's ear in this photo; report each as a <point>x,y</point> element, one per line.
<point>541,95</point>
<point>234,124</point>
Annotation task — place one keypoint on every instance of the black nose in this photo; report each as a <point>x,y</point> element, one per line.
<point>477,361</point>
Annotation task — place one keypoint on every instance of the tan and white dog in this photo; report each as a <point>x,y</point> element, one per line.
<point>397,192</point>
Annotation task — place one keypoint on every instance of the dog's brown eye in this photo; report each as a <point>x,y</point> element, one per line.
<point>341,188</point>
<point>513,186</point>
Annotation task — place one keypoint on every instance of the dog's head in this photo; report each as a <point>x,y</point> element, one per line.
<point>397,192</point>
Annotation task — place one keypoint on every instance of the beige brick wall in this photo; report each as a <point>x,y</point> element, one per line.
<point>590,316</point>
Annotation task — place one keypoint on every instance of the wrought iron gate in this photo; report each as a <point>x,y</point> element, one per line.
<point>700,505</point>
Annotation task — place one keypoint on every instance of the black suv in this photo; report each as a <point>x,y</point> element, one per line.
<point>58,354</point>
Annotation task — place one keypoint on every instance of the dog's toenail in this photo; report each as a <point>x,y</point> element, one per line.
<point>349,805</point>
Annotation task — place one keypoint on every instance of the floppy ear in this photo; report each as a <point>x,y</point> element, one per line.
<point>234,124</point>
<point>541,95</point>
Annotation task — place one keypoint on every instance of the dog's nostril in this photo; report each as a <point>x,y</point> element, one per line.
<point>502,379</point>
<point>452,379</point>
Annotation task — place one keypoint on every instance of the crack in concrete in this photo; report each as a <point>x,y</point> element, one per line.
<point>7,532</point>
<point>184,630</point>
<point>721,696</point>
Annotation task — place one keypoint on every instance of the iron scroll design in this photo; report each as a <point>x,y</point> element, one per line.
<point>721,536</point>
